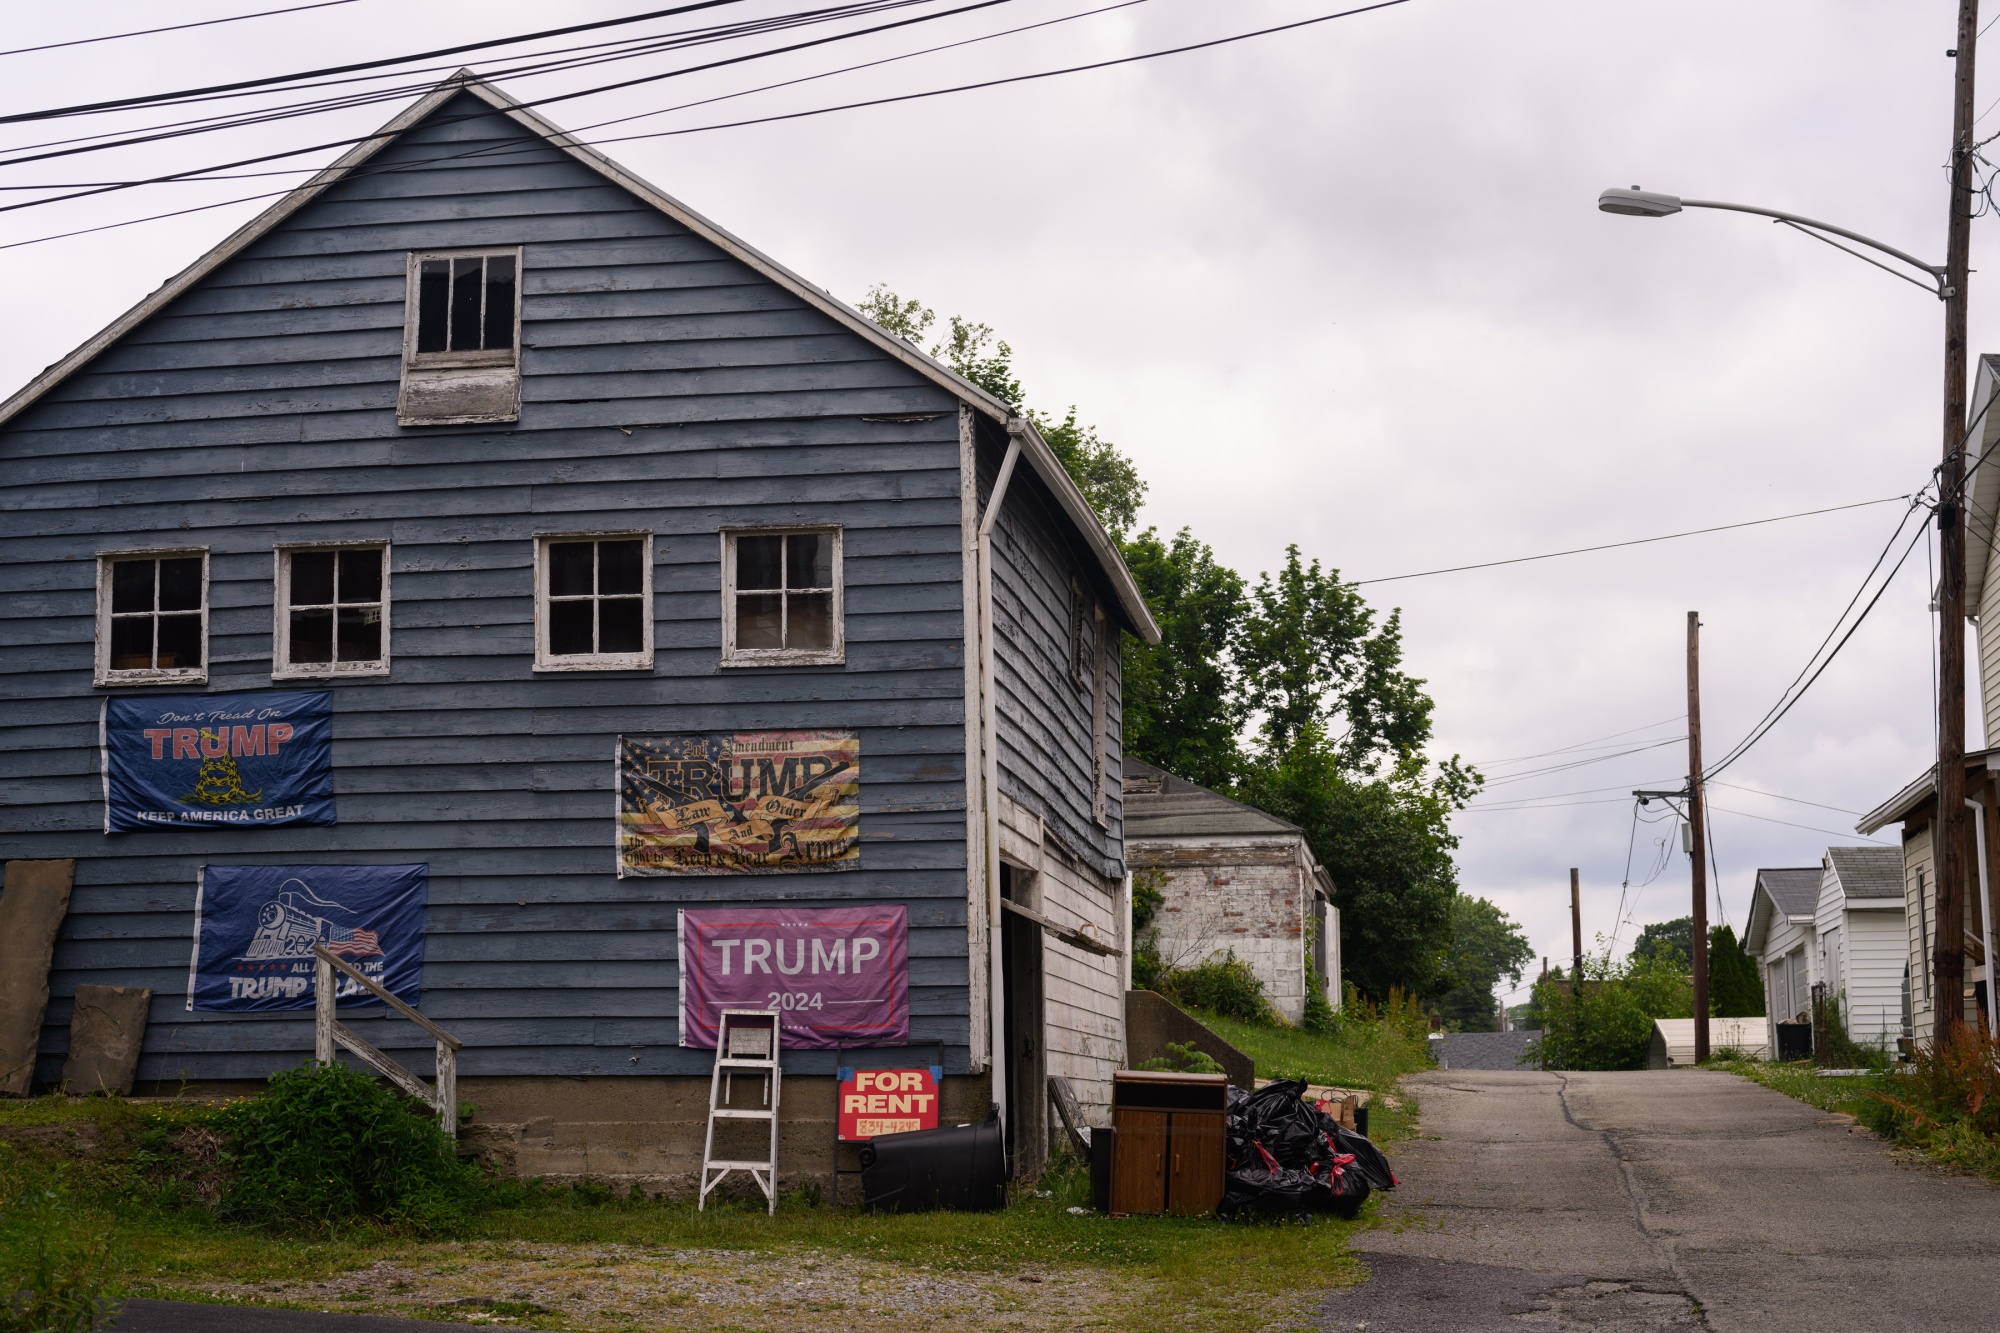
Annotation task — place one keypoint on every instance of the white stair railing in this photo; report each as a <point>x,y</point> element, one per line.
<point>329,1032</point>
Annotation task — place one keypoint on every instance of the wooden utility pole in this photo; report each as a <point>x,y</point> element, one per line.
<point>1576,932</point>
<point>1948,845</point>
<point>1698,831</point>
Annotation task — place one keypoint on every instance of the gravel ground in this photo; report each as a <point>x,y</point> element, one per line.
<point>639,1287</point>
<point>1482,1050</point>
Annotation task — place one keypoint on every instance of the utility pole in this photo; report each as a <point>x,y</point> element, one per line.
<point>1698,831</point>
<point>1576,933</point>
<point>1948,847</point>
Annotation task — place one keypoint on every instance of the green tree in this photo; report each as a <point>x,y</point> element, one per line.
<point>1183,705</point>
<point>1486,945</point>
<point>1386,840</point>
<point>1666,939</point>
<point>1607,1023</point>
<point>1734,989</point>
<point>1102,471</point>
<point>1313,657</point>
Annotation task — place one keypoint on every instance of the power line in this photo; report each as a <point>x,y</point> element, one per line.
<point>699,129</point>
<point>148,99</point>
<point>1836,833</point>
<point>1581,763</point>
<point>1795,691</point>
<point>148,32</point>
<point>1758,791</point>
<point>1565,749</point>
<point>1639,541</point>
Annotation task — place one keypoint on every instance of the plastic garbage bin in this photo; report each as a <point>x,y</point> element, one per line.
<point>962,1167</point>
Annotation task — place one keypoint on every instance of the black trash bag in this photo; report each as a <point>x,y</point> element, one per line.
<point>1288,1157</point>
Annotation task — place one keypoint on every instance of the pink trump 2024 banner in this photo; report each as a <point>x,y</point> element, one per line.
<point>839,976</point>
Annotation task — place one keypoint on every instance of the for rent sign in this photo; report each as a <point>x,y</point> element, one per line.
<point>839,976</point>
<point>887,1101</point>
<point>251,760</point>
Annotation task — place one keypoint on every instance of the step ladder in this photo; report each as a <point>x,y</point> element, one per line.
<point>746,1042</point>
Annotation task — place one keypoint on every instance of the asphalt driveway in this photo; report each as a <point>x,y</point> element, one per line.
<point>1680,1199</point>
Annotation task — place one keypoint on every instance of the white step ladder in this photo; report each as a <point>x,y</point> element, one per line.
<point>747,1041</point>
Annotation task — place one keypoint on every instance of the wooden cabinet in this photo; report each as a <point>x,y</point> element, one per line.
<point>1170,1147</point>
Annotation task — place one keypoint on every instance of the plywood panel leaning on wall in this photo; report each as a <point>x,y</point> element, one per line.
<point>34,897</point>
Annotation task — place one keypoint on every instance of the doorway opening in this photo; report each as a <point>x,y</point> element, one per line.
<point>1027,1060</point>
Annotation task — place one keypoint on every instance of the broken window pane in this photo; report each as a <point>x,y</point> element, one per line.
<point>809,560</point>
<point>180,584</point>
<point>809,619</point>
<point>361,576</point>
<point>759,562</point>
<point>311,638</point>
<point>360,634</point>
<point>312,578</point>
<point>570,628</point>
<point>758,620</point>
<point>499,301</point>
<point>132,588</point>
<point>132,643</point>
<point>433,303</point>
<point>180,641</point>
<point>621,625</point>
<point>466,290</point>
<point>619,568</point>
<point>570,569</point>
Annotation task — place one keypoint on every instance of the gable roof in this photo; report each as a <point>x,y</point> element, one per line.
<point>1040,458</point>
<point>1868,872</point>
<point>1779,895</point>
<point>1159,806</point>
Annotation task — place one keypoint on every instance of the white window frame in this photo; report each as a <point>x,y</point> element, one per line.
<point>104,674</point>
<point>548,661</point>
<point>281,619</point>
<point>412,301</point>
<point>732,656</point>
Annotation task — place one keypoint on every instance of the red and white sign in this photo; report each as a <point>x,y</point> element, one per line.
<point>887,1101</point>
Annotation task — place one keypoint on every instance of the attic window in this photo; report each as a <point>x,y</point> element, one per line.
<point>462,338</point>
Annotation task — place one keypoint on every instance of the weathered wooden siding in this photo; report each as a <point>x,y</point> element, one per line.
<point>1988,638</point>
<point>666,386</point>
<point>1919,925</point>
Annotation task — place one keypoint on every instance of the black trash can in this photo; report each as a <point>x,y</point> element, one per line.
<point>961,1167</point>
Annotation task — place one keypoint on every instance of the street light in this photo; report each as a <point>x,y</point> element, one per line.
<point>1948,284</point>
<point>1638,203</point>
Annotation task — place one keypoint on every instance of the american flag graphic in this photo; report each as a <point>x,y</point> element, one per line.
<point>354,943</point>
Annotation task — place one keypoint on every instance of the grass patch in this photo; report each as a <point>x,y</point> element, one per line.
<point>1797,1080</point>
<point>1356,1055</point>
<point>115,1164</point>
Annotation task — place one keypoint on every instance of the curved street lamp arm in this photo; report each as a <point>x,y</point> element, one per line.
<point>1936,287</point>
<point>1935,270</point>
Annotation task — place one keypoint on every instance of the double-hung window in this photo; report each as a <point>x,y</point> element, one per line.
<point>152,617</point>
<point>594,602</point>
<point>332,612</point>
<point>462,338</point>
<point>782,598</point>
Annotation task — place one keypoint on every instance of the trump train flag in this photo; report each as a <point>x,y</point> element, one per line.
<point>251,760</point>
<point>255,928</point>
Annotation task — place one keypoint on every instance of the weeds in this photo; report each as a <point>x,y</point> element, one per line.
<point>56,1272</point>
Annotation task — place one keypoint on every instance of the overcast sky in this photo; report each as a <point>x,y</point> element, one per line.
<point>1346,287</point>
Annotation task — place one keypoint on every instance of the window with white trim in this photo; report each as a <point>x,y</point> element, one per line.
<point>594,601</point>
<point>465,309</point>
<point>152,617</point>
<point>461,338</point>
<point>332,612</point>
<point>782,602</point>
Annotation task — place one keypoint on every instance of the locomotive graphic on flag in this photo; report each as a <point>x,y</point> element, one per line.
<point>288,928</point>
<point>256,928</point>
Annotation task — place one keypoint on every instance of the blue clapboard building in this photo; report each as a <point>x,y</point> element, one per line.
<point>513,455</point>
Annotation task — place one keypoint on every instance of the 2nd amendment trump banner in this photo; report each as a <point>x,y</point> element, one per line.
<point>739,803</point>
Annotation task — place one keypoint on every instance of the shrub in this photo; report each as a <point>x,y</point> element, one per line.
<point>1320,1015</point>
<point>1842,1051</point>
<point>56,1274</point>
<point>1221,984</point>
<point>1183,1057</point>
<point>1942,1087</point>
<point>1607,1022</point>
<point>324,1145</point>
